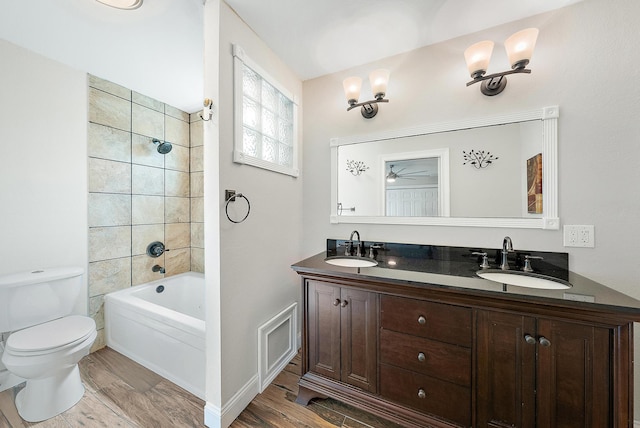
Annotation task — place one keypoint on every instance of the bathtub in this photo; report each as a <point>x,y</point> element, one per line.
<point>161,326</point>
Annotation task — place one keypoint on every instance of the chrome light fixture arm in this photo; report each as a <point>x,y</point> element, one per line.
<point>493,84</point>
<point>368,108</point>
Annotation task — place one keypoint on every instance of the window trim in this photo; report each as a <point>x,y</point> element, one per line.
<point>240,59</point>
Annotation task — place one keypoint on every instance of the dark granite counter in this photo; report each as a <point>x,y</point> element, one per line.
<point>455,268</point>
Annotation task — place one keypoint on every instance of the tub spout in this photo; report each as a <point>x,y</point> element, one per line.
<point>158,268</point>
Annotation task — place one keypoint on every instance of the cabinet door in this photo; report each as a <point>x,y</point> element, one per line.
<point>574,375</point>
<point>505,370</point>
<point>323,313</point>
<point>359,320</point>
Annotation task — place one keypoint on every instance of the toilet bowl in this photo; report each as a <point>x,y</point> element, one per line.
<point>45,339</point>
<point>47,356</point>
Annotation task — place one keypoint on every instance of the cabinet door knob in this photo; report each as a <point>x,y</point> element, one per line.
<point>336,302</point>
<point>344,303</point>
<point>529,339</point>
<point>422,357</point>
<point>422,393</point>
<point>544,341</point>
<point>422,320</point>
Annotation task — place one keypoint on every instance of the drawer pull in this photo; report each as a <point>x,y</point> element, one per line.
<point>422,357</point>
<point>336,302</point>
<point>529,339</point>
<point>422,393</point>
<point>344,303</point>
<point>422,320</point>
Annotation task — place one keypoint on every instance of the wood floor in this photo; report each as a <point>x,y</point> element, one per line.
<point>121,393</point>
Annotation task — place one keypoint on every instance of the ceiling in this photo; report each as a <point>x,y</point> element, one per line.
<point>319,37</point>
<point>157,49</point>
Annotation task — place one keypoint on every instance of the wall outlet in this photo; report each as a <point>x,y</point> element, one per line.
<point>579,236</point>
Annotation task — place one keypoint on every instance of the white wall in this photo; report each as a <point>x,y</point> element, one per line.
<point>256,281</point>
<point>43,164</point>
<point>584,62</point>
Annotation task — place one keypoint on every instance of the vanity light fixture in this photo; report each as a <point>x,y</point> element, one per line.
<point>519,47</point>
<point>379,80</point>
<point>122,4</point>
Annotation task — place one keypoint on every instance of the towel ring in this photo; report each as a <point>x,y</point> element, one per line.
<point>231,198</point>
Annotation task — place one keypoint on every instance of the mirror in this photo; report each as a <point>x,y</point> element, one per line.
<point>488,172</point>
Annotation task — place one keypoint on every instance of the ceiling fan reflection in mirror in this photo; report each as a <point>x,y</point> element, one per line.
<point>392,175</point>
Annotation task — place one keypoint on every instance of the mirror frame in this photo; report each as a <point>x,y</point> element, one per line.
<point>549,220</point>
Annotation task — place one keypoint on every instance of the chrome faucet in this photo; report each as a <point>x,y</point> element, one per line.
<point>158,268</point>
<point>359,247</point>
<point>507,247</point>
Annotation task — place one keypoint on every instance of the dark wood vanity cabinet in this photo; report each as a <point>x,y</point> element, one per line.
<point>543,372</point>
<point>342,334</point>
<point>425,358</point>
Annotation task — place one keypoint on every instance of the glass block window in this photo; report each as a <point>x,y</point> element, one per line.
<point>265,119</point>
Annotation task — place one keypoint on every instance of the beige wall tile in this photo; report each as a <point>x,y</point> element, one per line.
<point>109,176</point>
<point>108,209</point>
<point>176,131</point>
<point>146,101</point>
<point>100,341</point>
<point>143,235</point>
<point>197,209</point>
<point>176,183</point>
<point>177,113</point>
<point>176,210</point>
<point>106,276</point>
<point>147,180</point>
<point>177,235</point>
<point>197,184</point>
<point>109,242</point>
<point>147,209</point>
<point>197,260</point>
<point>178,261</point>
<point>197,235</point>
<point>110,87</point>
<point>96,310</point>
<point>109,143</point>
<point>177,159</point>
<point>145,121</point>
<point>144,151</point>
<point>195,117</point>
<point>109,110</point>
<point>142,269</point>
<point>196,134</point>
<point>196,159</point>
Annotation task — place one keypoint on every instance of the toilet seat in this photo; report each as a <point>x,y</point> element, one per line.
<point>52,336</point>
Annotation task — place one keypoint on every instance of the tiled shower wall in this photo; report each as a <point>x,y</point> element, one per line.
<point>137,195</point>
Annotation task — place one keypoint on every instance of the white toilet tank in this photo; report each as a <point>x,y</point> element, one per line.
<point>30,298</point>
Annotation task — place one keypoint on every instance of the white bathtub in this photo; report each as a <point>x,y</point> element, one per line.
<point>163,331</point>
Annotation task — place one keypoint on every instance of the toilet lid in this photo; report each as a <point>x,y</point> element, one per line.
<point>52,334</point>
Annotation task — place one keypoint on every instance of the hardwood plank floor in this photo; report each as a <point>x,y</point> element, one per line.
<point>121,393</point>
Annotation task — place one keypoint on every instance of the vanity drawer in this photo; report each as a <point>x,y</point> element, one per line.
<point>447,323</point>
<point>441,360</point>
<point>426,394</point>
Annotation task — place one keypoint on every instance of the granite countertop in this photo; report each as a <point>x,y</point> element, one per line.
<point>455,268</point>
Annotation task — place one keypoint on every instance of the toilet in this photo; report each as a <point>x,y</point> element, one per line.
<point>45,340</point>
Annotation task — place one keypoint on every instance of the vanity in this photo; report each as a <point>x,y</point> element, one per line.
<point>421,340</point>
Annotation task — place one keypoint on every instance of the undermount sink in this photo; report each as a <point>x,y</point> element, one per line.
<point>523,279</point>
<point>351,261</point>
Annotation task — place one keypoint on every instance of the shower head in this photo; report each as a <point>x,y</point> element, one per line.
<point>164,147</point>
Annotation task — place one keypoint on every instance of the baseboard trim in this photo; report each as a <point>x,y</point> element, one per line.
<point>214,417</point>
